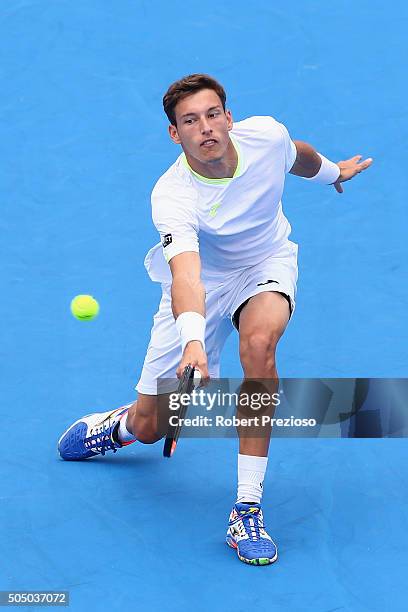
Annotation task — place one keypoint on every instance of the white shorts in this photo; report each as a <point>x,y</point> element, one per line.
<point>276,273</point>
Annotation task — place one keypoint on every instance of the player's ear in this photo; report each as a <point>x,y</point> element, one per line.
<point>230,120</point>
<point>174,134</point>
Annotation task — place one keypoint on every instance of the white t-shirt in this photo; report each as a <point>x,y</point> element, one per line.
<point>233,222</point>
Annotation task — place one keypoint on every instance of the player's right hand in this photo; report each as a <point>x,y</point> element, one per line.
<point>195,356</point>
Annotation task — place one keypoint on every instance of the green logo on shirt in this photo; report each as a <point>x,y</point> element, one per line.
<point>213,209</point>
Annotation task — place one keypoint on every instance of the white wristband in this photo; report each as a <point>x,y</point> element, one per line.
<point>191,326</point>
<point>328,173</point>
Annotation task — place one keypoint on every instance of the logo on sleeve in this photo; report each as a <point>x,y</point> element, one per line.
<point>167,239</point>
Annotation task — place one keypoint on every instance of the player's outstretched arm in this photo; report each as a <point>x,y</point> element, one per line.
<point>188,304</point>
<point>311,165</point>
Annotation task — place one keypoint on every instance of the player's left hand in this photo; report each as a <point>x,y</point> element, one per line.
<point>349,168</point>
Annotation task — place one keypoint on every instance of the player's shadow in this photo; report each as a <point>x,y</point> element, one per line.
<point>121,460</point>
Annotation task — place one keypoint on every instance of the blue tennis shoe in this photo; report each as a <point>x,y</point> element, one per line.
<point>93,434</point>
<point>246,533</point>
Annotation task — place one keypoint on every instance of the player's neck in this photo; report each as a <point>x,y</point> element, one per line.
<point>223,168</point>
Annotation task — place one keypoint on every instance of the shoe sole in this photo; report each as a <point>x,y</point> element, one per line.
<point>81,420</point>
<point>259,561</point>
<point>71,426</point>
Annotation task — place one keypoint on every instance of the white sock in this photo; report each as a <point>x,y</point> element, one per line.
<point>124,434</point>
<point>251,474</point>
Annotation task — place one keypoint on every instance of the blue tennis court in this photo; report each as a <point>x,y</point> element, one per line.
<point>83,140</point>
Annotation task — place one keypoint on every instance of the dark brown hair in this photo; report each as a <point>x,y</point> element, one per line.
<point>186,86</point>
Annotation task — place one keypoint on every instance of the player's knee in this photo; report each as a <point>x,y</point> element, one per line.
<point>144,423</point>
<point>146,430</point>
<point>148,436</point>
<point>258,347</point>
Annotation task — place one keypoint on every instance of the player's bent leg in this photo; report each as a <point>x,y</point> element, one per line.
<point>144,418</point>
<point>97,433</point>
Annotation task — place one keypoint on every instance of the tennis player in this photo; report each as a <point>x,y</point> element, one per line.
<point>225,260</point>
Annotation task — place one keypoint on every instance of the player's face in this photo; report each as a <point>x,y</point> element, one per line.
<point>202,126</point>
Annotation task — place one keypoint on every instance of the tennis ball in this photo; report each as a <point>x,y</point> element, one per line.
<point>84,307</point>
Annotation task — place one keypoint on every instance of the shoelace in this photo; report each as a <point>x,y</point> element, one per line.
<point>252,527</point>
<point>101,440</point>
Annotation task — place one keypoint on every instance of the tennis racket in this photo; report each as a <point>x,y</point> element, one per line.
<point>186,385</point>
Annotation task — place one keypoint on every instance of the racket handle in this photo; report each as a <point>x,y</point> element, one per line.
<point>196,378</point>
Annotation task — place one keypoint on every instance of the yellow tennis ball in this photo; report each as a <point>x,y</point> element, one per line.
<point>84,307</point>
